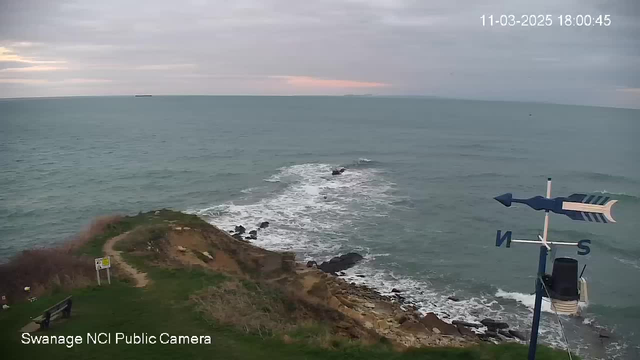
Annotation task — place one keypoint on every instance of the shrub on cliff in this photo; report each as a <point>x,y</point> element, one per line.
<point>53,269</point>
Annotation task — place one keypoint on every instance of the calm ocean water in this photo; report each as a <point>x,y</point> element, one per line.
<point>416,198</point>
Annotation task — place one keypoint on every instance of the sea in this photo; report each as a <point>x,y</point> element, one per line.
<point>416,199</point>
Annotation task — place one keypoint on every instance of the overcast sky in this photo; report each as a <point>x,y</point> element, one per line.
<point>309,47</point>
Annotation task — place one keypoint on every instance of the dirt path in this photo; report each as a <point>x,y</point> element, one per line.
<point>116,257</point>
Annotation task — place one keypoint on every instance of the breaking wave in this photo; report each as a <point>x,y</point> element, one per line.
<point>313,213</point>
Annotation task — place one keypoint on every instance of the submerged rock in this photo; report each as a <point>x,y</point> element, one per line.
<point>340,263</point>
<point>240,229</point>
<point>253,234</point>
<point>264,225</point>
<point>604,334</point>
<point>453,298</point>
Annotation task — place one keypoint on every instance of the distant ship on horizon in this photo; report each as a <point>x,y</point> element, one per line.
<point>143,95</point>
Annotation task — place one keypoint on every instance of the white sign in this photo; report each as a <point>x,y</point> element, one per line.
<point>103,263</point>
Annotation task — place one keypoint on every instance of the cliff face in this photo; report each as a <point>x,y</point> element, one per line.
<point>352,311</point>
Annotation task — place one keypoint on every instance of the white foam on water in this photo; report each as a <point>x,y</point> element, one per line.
<point>527,300</point>
<point>632,263</point>
<point>610,192</point>
<point>311,214</point>
<point>473,309</point>
<point>313,217</point>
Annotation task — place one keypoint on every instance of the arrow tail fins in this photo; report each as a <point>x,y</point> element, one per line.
<point>607,210</point>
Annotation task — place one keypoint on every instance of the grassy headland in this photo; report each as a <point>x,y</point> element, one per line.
<point>237,297</point>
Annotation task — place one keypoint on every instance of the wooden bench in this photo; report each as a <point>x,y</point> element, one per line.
<point>63,308</point>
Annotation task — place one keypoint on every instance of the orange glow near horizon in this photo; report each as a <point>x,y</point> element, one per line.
<point>311,82</point>
<point>7,55</point>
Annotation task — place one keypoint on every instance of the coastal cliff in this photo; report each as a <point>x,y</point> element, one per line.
<point>229,282</point>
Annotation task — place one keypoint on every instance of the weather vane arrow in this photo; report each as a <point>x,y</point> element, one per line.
<point>575,206</point>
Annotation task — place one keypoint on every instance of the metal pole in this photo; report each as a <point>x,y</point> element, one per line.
<point>108,276</point>
<point>533,343</point>
<point>542,266</point>
<point>98,276</point>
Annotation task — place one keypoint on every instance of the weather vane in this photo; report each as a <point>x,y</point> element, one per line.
<point>562,286</point>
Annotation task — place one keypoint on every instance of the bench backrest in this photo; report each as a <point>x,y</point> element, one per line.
<point>57,307</point>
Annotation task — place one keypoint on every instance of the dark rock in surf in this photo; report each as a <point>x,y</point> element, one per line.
<point>603,334</point>
<point>312,264</point>
<point>240,229</point>
<point>253,234</point>
<point>340,263</point>
<point>237,236</point>
<point>360,275</point>
<point>492,334</point>
<point>465,331</point>
<point>467,324</point>
<point>505,333</point>
<point>394,290</point>
<point>518,335</point>
<point>453,298</point>
<point>264,225</point>
<point>493,325</point>
<point>338,171</point>
<point>401,299</point>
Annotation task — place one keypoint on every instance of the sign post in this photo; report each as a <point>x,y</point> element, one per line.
<point>103,263</point>
<point>577,207</point>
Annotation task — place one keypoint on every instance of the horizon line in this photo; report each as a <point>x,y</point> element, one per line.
<point>349,95</point>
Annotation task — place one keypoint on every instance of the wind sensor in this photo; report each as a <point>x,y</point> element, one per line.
<point>562,285</point>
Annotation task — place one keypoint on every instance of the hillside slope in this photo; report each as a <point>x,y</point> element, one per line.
<point>251,301</point>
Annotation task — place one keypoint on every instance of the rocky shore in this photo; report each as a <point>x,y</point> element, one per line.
<point>389,316</point>
<point>392,316</point>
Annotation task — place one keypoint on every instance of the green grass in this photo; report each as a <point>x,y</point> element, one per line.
<point>164,306</point>
<point>94,246</point>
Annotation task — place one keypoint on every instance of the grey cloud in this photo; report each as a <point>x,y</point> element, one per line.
<point>419,47</point>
